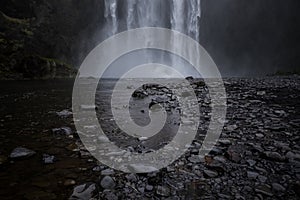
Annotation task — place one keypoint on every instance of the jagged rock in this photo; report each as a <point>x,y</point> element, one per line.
<point>48,159</point>
<point>163,191</point>
<point>62,131</point>
<point>84,192</point>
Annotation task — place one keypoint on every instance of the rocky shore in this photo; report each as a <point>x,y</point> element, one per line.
<point>257,156</point>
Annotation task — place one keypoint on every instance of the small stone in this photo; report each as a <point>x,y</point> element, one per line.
<point>108,183</point>
<point>149,187</point>
<point>103,139</point>
<point>139,168</point>
<point>163,191</point>
<point>194,159</point>
<point>261,93</point>
<point>69,182</point>
<point>262,179</point>
<point>210,174</point>
<point>259,135</point>
<point>143,138</point>
<point>274,156</point>
<point>225,142</point>
<point>252,175</point>
<point>64,113</point>
<point>131,178</point>
<point>97,168</point>
<point>251,162</point>
<point>234,156</point>
<point>277,187</point>
<point>21,152</point>
<point>62,131</point>
<point>264,189</point>
<point>84,191</point>
<point>48,159</point>
<point>107,172</point>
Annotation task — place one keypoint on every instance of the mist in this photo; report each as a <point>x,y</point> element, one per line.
<point>251,38</point>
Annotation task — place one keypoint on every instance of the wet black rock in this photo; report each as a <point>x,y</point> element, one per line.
<point>163,191</point>
<point>48,159</point>
<point>107,182</point>
<point>275,156</point>
<point>84,192</point>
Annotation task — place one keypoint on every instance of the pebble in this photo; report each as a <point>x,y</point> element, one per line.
<point>139,168</point>
<point>264,189</point>
<point>84,191</point>
<point>69,182</point>
<point>107,172</point>
<point>48,159</point>
<point>210,173</point>
<point>64,113</point>
<point>21,152</point>
<point>163,191</point>
<point>252,175</point>
<point>274,156</point>
<point>107,183</point>
<point>277,187</point>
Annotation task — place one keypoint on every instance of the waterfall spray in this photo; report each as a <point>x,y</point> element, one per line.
<point>179,15</point>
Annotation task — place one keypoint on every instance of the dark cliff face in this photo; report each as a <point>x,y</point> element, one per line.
<point>54,30</point>
<point>252,37</point>
<point>61,28</point>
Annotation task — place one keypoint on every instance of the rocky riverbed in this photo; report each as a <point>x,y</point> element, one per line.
<point>257,156</point>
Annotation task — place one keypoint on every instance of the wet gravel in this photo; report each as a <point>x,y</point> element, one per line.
<point>257,157</point>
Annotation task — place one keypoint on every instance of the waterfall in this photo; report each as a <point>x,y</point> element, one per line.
<point>179,15</point>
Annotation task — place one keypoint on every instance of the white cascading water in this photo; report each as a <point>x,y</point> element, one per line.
<point>179,15</point>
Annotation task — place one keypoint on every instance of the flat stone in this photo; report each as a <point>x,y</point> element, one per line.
<point>21,152</point>
<point>64,113</point>
<point>225,142</point>
<point>277,187</point>
<point>259,135</point>
<point>139,168</point>
<point>210,173</point>
<point>69,182</point>
<point>107,172</point>
<point>274,156</point>
<point>252,175</point>
<point>264,189</point>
